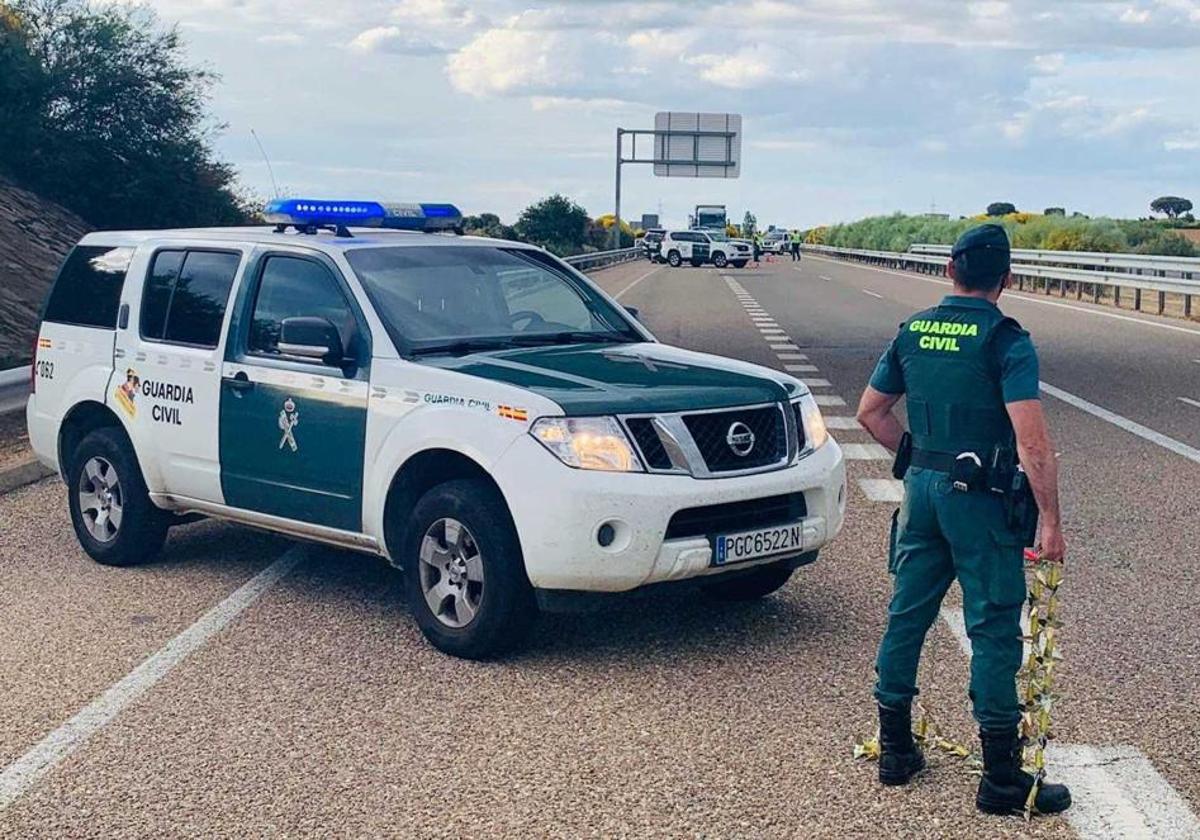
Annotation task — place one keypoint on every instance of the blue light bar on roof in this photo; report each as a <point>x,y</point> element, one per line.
<point>311,211</point>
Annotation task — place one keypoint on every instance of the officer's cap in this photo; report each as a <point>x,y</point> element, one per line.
<point>986,250</point>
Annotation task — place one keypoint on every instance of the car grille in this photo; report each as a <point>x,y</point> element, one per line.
<point>732,517</point>
<point>647,440</point>
<point>711,430</point>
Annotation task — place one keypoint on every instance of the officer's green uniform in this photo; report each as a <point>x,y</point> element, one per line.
<point>958,364</point>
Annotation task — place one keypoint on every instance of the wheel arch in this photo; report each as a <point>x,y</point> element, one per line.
<point>420,473</point>
<point>83,418</point>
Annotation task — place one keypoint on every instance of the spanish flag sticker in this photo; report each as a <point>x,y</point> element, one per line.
<point>510,413</point>
<point>45,344</point>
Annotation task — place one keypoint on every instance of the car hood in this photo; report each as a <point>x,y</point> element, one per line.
<point>626,378</point>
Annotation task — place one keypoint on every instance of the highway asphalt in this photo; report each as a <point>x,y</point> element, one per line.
<point>308,704</point>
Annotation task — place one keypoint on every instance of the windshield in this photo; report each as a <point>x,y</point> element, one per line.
<point>717,237</point>
<point>464,298</point>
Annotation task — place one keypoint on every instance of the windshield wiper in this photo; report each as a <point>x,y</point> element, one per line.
<point>575,337</point>
<point>466,345</point>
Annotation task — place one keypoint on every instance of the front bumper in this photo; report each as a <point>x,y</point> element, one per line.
<point>558,510</point>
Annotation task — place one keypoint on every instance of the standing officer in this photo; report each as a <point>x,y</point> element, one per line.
<point>794,243</point>
<point>971,379</point>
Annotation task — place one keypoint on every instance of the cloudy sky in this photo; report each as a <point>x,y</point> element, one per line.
<point>851,107</point>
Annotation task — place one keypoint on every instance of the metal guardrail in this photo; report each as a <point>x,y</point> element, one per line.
<point>1181,278</point>
<point>602,258</point>
<point>1156,264</point>
<point>14,389</point>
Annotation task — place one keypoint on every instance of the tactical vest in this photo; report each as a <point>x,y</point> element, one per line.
<point>951,368</point>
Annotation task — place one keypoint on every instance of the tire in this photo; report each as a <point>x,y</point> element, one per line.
<point>114,519</point>
<point>720,260</point>
<point>696,262</point>
<point>752,585</point>
<point>674,260</point>
<point>739,264</point>
<point>486,605</point>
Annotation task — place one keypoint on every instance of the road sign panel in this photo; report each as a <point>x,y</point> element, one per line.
<point>695,145</point>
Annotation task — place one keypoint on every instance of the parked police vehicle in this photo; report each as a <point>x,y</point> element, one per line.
<point>698,247</point>
<point>650,242</point>
<point>475,411</point>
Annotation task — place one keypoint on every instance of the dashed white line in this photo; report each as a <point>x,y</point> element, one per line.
<point>44,756</point>
<point>784,347</point>
<point>801,368</point>
<point>617,296</point>
<point>828,399</point>
<point>838,422</point>
<point>1189,401</point>
<point>816,383</point>
<point>822,276</point>
<point>793,357</point>
<point>882,489</point>
<point>1168,443</point>
<point>872,294</point>
<point>865,452</point>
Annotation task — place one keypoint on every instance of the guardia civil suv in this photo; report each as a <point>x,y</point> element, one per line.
<point>475,411</point>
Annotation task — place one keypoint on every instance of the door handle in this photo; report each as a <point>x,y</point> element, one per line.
<point>239,381</point>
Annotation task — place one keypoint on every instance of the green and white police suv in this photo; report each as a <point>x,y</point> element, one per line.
<point>476,411</point>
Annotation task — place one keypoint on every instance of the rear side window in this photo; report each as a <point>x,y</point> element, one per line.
<point>185,296</point>
<point>87,292</point>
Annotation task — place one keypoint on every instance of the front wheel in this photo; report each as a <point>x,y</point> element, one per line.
<point>465,575</point>
<point>739,264</point>
<point>114,519</point>
<point>674,260</point>
<point>720,260</point>
<point>752,585</point>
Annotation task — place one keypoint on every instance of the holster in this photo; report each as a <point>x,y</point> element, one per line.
<point>903,456</point>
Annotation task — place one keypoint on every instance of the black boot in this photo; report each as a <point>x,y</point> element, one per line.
<point>899,758</point>
<point>1005,786</point>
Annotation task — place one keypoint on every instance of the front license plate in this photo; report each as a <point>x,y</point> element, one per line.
<point>763,542</point>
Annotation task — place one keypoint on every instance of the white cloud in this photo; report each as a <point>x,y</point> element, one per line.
<point>1135,16</point>
<point>392,39</point>
<point>503,61</point>
<point>290,38</point>
<point>1049,63</point>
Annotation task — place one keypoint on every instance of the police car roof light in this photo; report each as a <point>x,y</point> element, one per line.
<point>308,214</point>
<point>425,217</point>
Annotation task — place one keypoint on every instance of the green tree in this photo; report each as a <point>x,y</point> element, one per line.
<point>1054,211</point>
<point>749,224</point>
<point>489,225</point>
<point>108,118</point>
<point>1001,208</point>
<point>1170,206</point>
<point>556,223</point>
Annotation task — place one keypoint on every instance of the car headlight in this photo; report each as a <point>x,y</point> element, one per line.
<point>588,443</point>
<point>809,415</point>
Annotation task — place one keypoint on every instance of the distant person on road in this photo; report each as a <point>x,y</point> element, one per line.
<point>758,246</point>
<point>794,245</point>
<point>970,376</point>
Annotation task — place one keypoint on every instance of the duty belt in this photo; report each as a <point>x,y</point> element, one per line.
<point>931,459</point>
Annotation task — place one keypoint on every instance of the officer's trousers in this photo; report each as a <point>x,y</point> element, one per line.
<point>940,534</point>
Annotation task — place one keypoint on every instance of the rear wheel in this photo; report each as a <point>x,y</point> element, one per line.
<point>465,575</point>
<point>752,585</point>
<point>114,519</point>
<point>720,260</point>
<point>674,260</point>
<point>739,264</point>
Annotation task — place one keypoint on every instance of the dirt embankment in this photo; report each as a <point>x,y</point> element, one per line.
<point>35,234</point>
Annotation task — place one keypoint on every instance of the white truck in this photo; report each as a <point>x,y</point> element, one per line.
<point>475,411</point>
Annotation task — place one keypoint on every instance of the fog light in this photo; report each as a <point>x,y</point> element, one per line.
<point>606,534</point>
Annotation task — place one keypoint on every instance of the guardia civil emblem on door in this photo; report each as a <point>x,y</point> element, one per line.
<point>289,419</point>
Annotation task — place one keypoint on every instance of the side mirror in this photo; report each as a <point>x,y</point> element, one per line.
<point>634,312</point>
<point>311,337</point>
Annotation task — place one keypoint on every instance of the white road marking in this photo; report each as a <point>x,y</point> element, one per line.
<point>801,368</point>
<point>872,294</point>
<point>784,347</point>
<point>1168,443</point>
<point>838,422</point>
<point>816,383</point>
<point>44,756</point>
<point>1117,792</point>
<point>617,296</point>
<point>1189,401</point>
<point>865,452</point>
<point>793,357</point>
<point>828,399</point>
<point>882,489</point>
<point>822,276</point>
<point>1017,295</point>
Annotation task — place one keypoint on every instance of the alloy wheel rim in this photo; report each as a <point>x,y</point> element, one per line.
<point>101,501</point>
<point>451,572</point>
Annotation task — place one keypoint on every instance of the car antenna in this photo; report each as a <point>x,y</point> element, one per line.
<point>263,152</point>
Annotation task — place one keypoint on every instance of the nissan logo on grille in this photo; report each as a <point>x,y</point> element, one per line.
<point>740,439</point>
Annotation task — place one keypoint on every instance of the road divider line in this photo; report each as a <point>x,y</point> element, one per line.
<point>872,294</point>
<point>1190,401</point>
<point>817,383</point>
<point>828,399</point>
<point>882,489</point>
<point>617,296</point>
<point>839,422</point>
<point>44,756</point>
<point>1134,428</point>
<point>784,347</point>
<point>801,368</point>
<point>793,357</point>
<point>1028,298</point>
<point>865,452</point>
